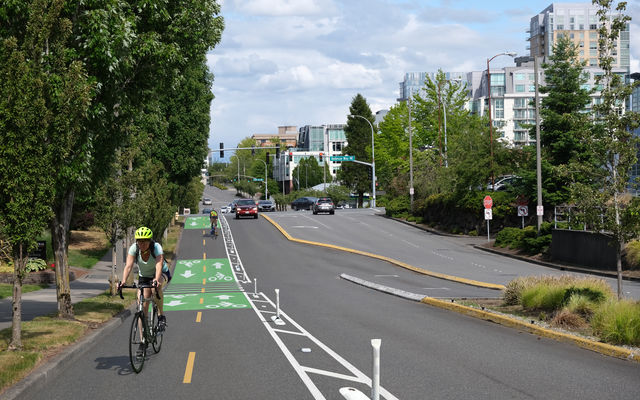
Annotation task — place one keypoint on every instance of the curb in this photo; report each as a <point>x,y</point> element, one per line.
<point>598,347</point>
<point>452,278</point>
<point>49,370</point>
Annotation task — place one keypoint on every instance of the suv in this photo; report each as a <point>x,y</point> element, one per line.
<point>303,203</point>
<point>503,182</point>
<point>246,207</point>
<point>323,204</point>
<point>266,205</point>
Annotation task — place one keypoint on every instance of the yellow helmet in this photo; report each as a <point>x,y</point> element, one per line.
<point>143,233</point>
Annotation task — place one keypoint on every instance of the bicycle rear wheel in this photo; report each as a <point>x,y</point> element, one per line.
<point>137,361</point>
<point>156,342</point>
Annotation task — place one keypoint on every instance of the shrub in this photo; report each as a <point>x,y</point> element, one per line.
<point>632,256</point>
<point>565,318</point>
<point>509,237</point>
<point>398,206</point>
<point>618,322</point>
<point>581,305</point>
<point>513,292</point>
<point>543,297</point>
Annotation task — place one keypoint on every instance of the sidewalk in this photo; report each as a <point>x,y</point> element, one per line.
<point>42,302</point>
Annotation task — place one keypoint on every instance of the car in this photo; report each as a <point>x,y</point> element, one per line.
<point>343,204</point>
<point>266,205</point>
<point>206,202</point>
<point>225,209</point>
<point>323,204</point>
<point>503,182</point>
<point>246,207</point>
<point>233,205</point>
<point>303,203</point>
<point>206,210</point>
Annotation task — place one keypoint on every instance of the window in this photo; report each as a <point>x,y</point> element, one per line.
<point>519,113</point>
<point>585,86</point>
<point>520,76</point>
<point>498,108</point>
<point>581,44</point>
<point>593,35</point>
<point>593,52</point>
<point>593,62</point>
<point>532,88</point>
<point>593,45</point>
<point>532,77</point>
<point>593,26</point>
<point>581,52</point>
<point>560,27</point>
<point>519,88</point>
<point>497,79</point>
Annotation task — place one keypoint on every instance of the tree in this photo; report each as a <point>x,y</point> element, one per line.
<point>358,133</point>
<point>600,197</point>
<point>309,171</point>
<point>564,123</point>
<point>44,96</point>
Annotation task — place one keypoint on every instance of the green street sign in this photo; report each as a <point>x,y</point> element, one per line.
<point>342,158</point>
<point>258,179</point>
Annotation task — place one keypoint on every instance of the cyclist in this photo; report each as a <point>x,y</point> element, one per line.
<point>213,217</point>
<point>150,270</point>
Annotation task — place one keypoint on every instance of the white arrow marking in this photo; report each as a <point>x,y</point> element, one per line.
<point>188,274</point>
<point>174,303</point>
<point>218,265</point>
<point>194,223</point>
<point>223,297</point>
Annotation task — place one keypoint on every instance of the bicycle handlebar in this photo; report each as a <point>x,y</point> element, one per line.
<point>134,286</point>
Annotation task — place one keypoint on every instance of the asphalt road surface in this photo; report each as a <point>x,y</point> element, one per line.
<point>229,345</point>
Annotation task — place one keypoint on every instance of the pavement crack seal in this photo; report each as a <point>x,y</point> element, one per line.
<point>602,348</point>
<point>419,270</point>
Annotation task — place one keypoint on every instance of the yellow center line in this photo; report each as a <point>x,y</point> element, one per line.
<point>201,300</point>
<point>199,316</point>
<point>204,281</point>
<point>204,269</point>
<point>189,370</point>
<point>202,290</point>
<point>203,243</point>
<point>204,256</point>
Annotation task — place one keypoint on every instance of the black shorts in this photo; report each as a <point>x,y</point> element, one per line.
<point>145,281</point>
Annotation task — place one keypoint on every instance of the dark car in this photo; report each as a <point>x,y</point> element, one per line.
<point>246,207</point>
<point>266,205</point>
<point>233,205</point>
<point>303,203</point>
<point>324,204</point>
<point>206,211</point>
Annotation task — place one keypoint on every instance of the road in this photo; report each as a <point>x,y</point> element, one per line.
<point>321,343</point>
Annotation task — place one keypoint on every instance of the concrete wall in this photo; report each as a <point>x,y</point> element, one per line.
<point>589,249</point>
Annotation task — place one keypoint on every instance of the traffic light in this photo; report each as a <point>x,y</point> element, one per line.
<point>253,151</point>
<point>221,150</point>
<point>278,151</point>
<point>370,173</point>
<point>267,158</point>
<point>320,157</point>
<point>290,156</point>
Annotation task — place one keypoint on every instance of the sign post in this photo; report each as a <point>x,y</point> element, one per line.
<point>488,214</point>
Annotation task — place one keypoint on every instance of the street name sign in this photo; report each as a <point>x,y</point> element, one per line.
<point>342,158</point>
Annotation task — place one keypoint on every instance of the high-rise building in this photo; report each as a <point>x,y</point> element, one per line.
<point>579,22</point>
<point>414,81</point>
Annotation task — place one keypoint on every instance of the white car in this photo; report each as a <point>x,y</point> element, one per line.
<point>206,202</point>
<point>225,209</point>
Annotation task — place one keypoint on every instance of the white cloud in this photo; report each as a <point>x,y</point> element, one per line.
<point>284,7</point>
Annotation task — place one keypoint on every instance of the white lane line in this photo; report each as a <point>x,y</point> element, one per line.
<point>382,276</point>
<point>411,244</point>
<point>289,332</point>
<point>304,227</point>
<point>330,374</point>
<point>230,248</point>
<point>300,370</point>
<point>318,222</point>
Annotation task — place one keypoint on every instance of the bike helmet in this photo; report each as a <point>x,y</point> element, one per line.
<point>144,233</point>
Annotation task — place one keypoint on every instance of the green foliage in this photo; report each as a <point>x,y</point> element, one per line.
<point>310,173</point>
<point>543,297</point>
<point>527,239</point>
<point>618,322</point>
<point>510,237</point>
<point>632,256</point>
<point>397,206</point>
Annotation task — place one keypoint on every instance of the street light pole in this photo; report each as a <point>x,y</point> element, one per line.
<point>266,182</point>
<point>373,162</point>
<point>510,54</point>
<point>538,160</point>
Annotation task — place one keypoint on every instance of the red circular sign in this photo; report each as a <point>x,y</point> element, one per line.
<point>488,202</point>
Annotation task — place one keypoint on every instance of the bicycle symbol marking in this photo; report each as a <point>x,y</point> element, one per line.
<point>220,277</point>
<point>226,304</point>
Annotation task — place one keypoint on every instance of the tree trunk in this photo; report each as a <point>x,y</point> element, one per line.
<point>16,323</point>
<point>60,242</point>
<point>619,248</point>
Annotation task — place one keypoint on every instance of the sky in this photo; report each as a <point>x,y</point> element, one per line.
<point>301,62</point>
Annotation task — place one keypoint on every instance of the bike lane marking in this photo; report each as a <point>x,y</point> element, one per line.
<point>199,222</point>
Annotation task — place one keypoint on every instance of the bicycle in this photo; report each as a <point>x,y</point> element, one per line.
<point>214,230</point>
<point>150,329</point>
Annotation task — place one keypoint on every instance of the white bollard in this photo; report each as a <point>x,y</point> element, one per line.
<point>277,303</point>
<point>350,393</point>
<point>375,376</point>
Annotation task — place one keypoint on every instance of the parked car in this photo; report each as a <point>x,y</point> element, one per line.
<point>503,182</point>
<point>266,205</point>
<point>206,202</point>
<point>225,209</point>
<point>343,204</point>
<point>303,203</point>
<point>206,210</point>
<point>323,204</point>
<point>246,207</point>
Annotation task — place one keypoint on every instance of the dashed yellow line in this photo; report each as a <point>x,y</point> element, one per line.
<point>204,268</point>
<point>202,290</point>
<point>199,316</point>
<point>204,281</point>
<point>201,300</point>
<point>204,256</point>
<point>189,370</point>
<point>203,243</point>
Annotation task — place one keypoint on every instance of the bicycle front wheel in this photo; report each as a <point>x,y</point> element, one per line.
<point>135,344</point>
<point>156,341</point>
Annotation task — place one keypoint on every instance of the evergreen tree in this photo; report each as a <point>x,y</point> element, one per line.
<point>358,132</point>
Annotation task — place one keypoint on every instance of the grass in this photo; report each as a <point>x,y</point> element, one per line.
<point>618,322</point>
<point>6,289</point>
<point>170,243</point>
<point>86,258</point>
<point>45,336</point>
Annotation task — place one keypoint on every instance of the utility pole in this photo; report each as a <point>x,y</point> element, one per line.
<point>410,155</point>
<point>538,160</point>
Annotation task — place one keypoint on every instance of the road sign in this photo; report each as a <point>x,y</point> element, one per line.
<point>488,202</point>
<point>342,158</point>
<point>488,214</point>
<point>523,211</point>
<point>258,179</point>
<point>521,200</point>
<point>540,210</point>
